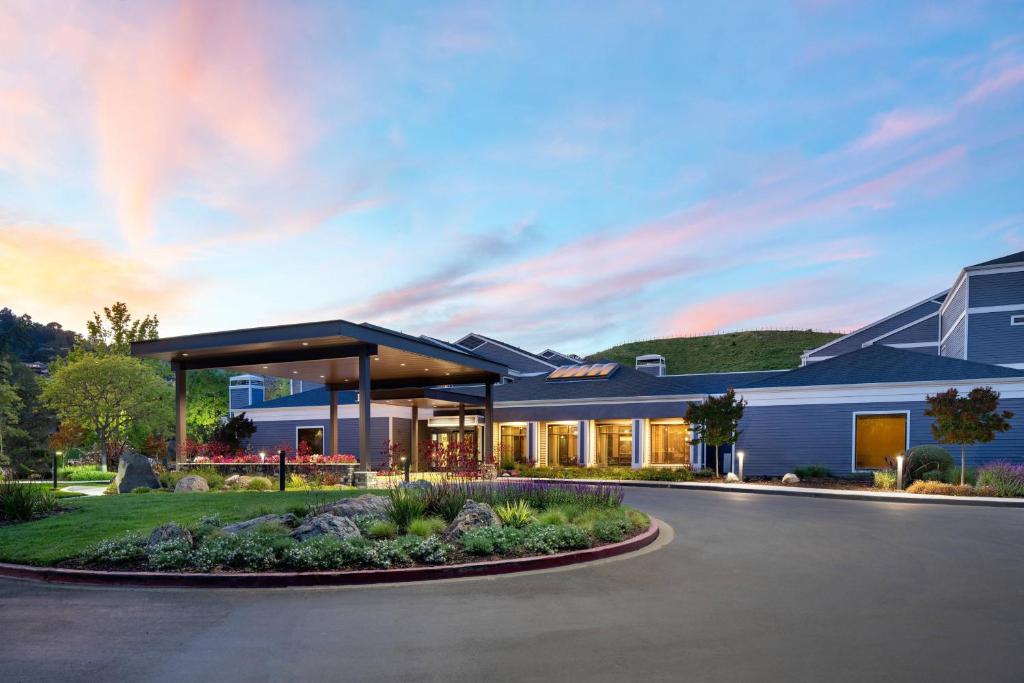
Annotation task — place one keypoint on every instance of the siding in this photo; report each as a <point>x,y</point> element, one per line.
<point>955,345</point>
<point>997,289</point>
<point>957,305</point>
<point>273,433</point>
<point>858,339</point>
<point>238,398</point>
<point>401,433</point>
<point>992,339</point>
<point>924,331</point>
<point>778,439</point>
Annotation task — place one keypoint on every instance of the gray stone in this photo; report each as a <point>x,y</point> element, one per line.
<point>327,525</point>
<point>191,483</point>
<point>731,477</point>
<point>135,471</point>
<point>473,515</point>
<point>168,532</point>
<point>249,524</point>
<point>416,484</point>
<point>364,479</point>
<point>237,481</point>
<point>366,505</point>
<point>790,478</point>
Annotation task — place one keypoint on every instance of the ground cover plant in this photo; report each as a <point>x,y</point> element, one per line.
<point>613,473</point>
<point>84,473</point>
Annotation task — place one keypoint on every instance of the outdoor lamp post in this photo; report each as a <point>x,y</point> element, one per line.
<point>280,470</point>
<point>899,472</point>
<point>739,456</point>
<point>405,466</point>
<point>56,455</point>
<point>263,456</point>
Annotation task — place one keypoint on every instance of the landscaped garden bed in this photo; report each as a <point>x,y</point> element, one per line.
<point>449,523</point>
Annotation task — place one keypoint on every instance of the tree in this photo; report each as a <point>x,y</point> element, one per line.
<point>716,420</point>
<point>207,393</point>
<point>967,420</point>
<point>24,437</point>
<point>233,431</point>
<point>10,405</point>
<point>113,395</point>
<point>116,330</point>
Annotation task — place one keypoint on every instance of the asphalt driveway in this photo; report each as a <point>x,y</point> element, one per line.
<point>752,588</point>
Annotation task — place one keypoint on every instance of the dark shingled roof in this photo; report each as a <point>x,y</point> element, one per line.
<point>312,397</point>
<point>1002,261</point>
<point>880,364</point>
<point>624,382</point>
<point>719,382</point>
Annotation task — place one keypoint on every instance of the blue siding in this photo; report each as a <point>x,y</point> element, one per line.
<point>924,331</point>
<point>957,305</point>
<point>238,398</point>
<point>992,339</point>
<point>997,289</point>
<point>956,343</point>
<point>273,433</point>
<point>778,439</point>
<point>858,339</point>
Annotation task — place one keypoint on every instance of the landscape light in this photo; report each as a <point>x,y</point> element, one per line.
<point>899,472</point>
<point>739,456</point>
<point>263,456</point>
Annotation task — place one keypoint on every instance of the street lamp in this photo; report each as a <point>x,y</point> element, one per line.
<point>739,456</point>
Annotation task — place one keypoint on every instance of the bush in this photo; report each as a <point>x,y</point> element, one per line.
<point>493,539</point>
<point>953,476</point>
<point>612,530</point>
<point>885,480</point>
<point>323,553</point>
<point>128,549</point>
<point>928,458</point>
<point>405,505</point>
<point>813,472</point>
<point>22,502</point>
<point>554,516</point>
<point>550,539</point>
<point>446,499</point>
<point>252,551</point>
<point>428,550</point>
<point>938,488</point>
<point>934,475</point>
<point>427,526</point>
<point>704,473</point>
<point>85,473</point>
<point>517,514</point>
<point>259,484</point>
<point>214,479</point>
<point>382,528</point>
<point>1003,478</point>
<point>173,554</point>
<point>386,554</point>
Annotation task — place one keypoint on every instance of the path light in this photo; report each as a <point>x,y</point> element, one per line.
<point>739,456</point>
<point>899,472</point>
<point>405,466</point>
<point>263,456</point>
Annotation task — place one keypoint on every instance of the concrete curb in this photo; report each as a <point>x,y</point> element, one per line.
<point>870,496</point>
<point>329,578</point>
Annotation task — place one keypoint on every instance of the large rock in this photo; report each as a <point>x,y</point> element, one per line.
<point>168,532</point>
<point>327,525</point>
<point>473,515</point>
<point>135,471</point>
<point>790,478</point>
<point>416,484</point>
<point>191,483</point>
<point>366,505</point>
<point>249,524</point>
<point>731,477</point>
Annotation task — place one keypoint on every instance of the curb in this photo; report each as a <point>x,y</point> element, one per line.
<point>873,497</point>
<point>328,578</point>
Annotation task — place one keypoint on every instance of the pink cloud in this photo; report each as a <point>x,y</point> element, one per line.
<point>1006,79</point>
<point>899,125</point>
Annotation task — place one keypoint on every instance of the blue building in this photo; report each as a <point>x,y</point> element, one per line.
<point>852,403</point>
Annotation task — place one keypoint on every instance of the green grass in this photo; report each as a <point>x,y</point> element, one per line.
<point>730,352</point>
<point>58,493</point>
<point>85,473</point>
<point>93,518</point>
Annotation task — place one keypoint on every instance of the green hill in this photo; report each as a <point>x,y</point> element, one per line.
<point>730,352</point>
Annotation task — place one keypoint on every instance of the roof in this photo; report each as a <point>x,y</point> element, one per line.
<point>506,354</point>
<point>878,364</point>
<point>719,382</point>
<point>321,397</point>
<point>1001,261</point>
<point>624,383</point>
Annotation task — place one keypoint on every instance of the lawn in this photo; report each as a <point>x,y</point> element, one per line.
<point>91,519</point>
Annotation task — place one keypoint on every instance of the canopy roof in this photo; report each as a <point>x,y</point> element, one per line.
<point>326,352</point>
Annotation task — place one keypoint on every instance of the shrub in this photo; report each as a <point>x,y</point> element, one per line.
<point>445,500</point>
<point>554,516</point>
<point>385,554</point>
<point>517,514</point>
<point>813,472</point>
<point>428,550</point>
<point>549,539</point>
<point>933,475</point>
<point>296,481</point>
<point>938,488</point>
<point>175,553</point>
<point>128,549</point>
<point>885,480</point>
<point>493,539</point>
<point>247,551</point>
<point>259,484</point>
<point>85,473</point>
<point>405,505</point>
<point>22,502</point>
<point>426,526</point>
<point>612,530</point>
<point>928,458</point>
<point>1003,478</point>
<point>953,476</point>
<point>704,473</point>
<point>322,553</point>
<point>382,528</point>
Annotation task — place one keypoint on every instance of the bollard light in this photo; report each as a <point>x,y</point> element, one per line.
<point>739,456</point>
<point>405,467</point>
<point>263,456</point>
<point>899,472</point>
<point>280,470</point>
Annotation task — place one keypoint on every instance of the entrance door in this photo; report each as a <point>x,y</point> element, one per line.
<point>563,448</point>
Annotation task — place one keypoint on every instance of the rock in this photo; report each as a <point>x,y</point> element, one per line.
<point>327,525</point>
<point>250,524</point>
<point>135,471</point>
<point>473,515</point>
<point>420,484</point>
<point>731,477</point>
<point>367,504</point>
<point>237,481</point>
<point>790,478</point>
<point>167,532</point>
<point>191,483</point>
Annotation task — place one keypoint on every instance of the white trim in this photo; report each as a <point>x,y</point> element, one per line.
<point>615,400</point>
<point>900,329</point>
<point>1008,387</point>
<point>943,338</point>
<point>908,345</point>
<point>348,412</point>
<point>996,269</point>
<point>853,433</point>
<point>951,294</point>
<point>731,372</point>
<point>997,309</point>
<point>1015,366</point>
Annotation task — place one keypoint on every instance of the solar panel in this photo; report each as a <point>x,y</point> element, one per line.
<point>588,371</point>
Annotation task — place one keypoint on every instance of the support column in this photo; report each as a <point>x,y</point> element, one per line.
<point>462,422</point>
<point>414,438</point>
<point>364,411</point>
<point>488,449</point>
<point>180,411</point>
<point>333,391</point>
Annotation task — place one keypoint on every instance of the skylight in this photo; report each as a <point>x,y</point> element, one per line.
<point>592,371</point>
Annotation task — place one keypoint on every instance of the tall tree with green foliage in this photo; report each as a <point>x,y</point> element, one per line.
<point>207,395</point>
<point>716,421</point>
<point>116,330</point>
<point>25,436</point>
<point>967,420</point>
<point>10,406</point>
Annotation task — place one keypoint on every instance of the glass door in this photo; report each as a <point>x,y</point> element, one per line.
<point>563,448</point>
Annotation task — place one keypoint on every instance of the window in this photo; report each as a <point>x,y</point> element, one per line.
<point>311,438</point>
<point>670,443</point>
<point>878,438</point>
<point>614,445</point>
<point>1017,319</point>
<point>513,443</point>
<point>563,449</point>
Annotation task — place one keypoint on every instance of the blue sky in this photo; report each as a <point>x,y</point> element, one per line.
<point>571,176</point>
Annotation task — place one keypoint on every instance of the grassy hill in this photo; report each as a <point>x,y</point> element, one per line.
<point>730,352</point>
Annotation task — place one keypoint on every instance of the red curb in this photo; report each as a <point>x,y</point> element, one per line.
<point>332,578</point>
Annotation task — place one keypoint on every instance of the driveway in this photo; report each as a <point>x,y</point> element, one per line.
<point>752,588</point>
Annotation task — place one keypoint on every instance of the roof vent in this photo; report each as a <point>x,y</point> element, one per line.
<point>578,372</point>
<point>651,363</point>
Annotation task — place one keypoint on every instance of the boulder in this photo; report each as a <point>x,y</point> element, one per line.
<point>237,481</point>
<point>366,505</point>
<point>135,471</point>
<point>167,532</point>
<point>192,482</point>
<point>731,477</point>
<point>790,478</point>
<point>416,484</point>
<point>250,524</point>
<point>473,515</point>
<point>327,525</point>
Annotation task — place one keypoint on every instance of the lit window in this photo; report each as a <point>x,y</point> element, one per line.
<point>312,437</point>
<point>670,444</point>
<point>563,448</point>
<point>614,445</point>
<point>879,438</point>
<point>1017,319</point>
<point>513,443</point>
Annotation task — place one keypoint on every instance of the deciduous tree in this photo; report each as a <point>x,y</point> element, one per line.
<point>967,420</point>
<point>716,421</point>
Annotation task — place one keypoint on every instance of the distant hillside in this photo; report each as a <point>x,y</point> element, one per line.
<point>730,352</point>
<point>30,341</point>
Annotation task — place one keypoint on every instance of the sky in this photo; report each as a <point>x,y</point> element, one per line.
<point>566,175</point>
